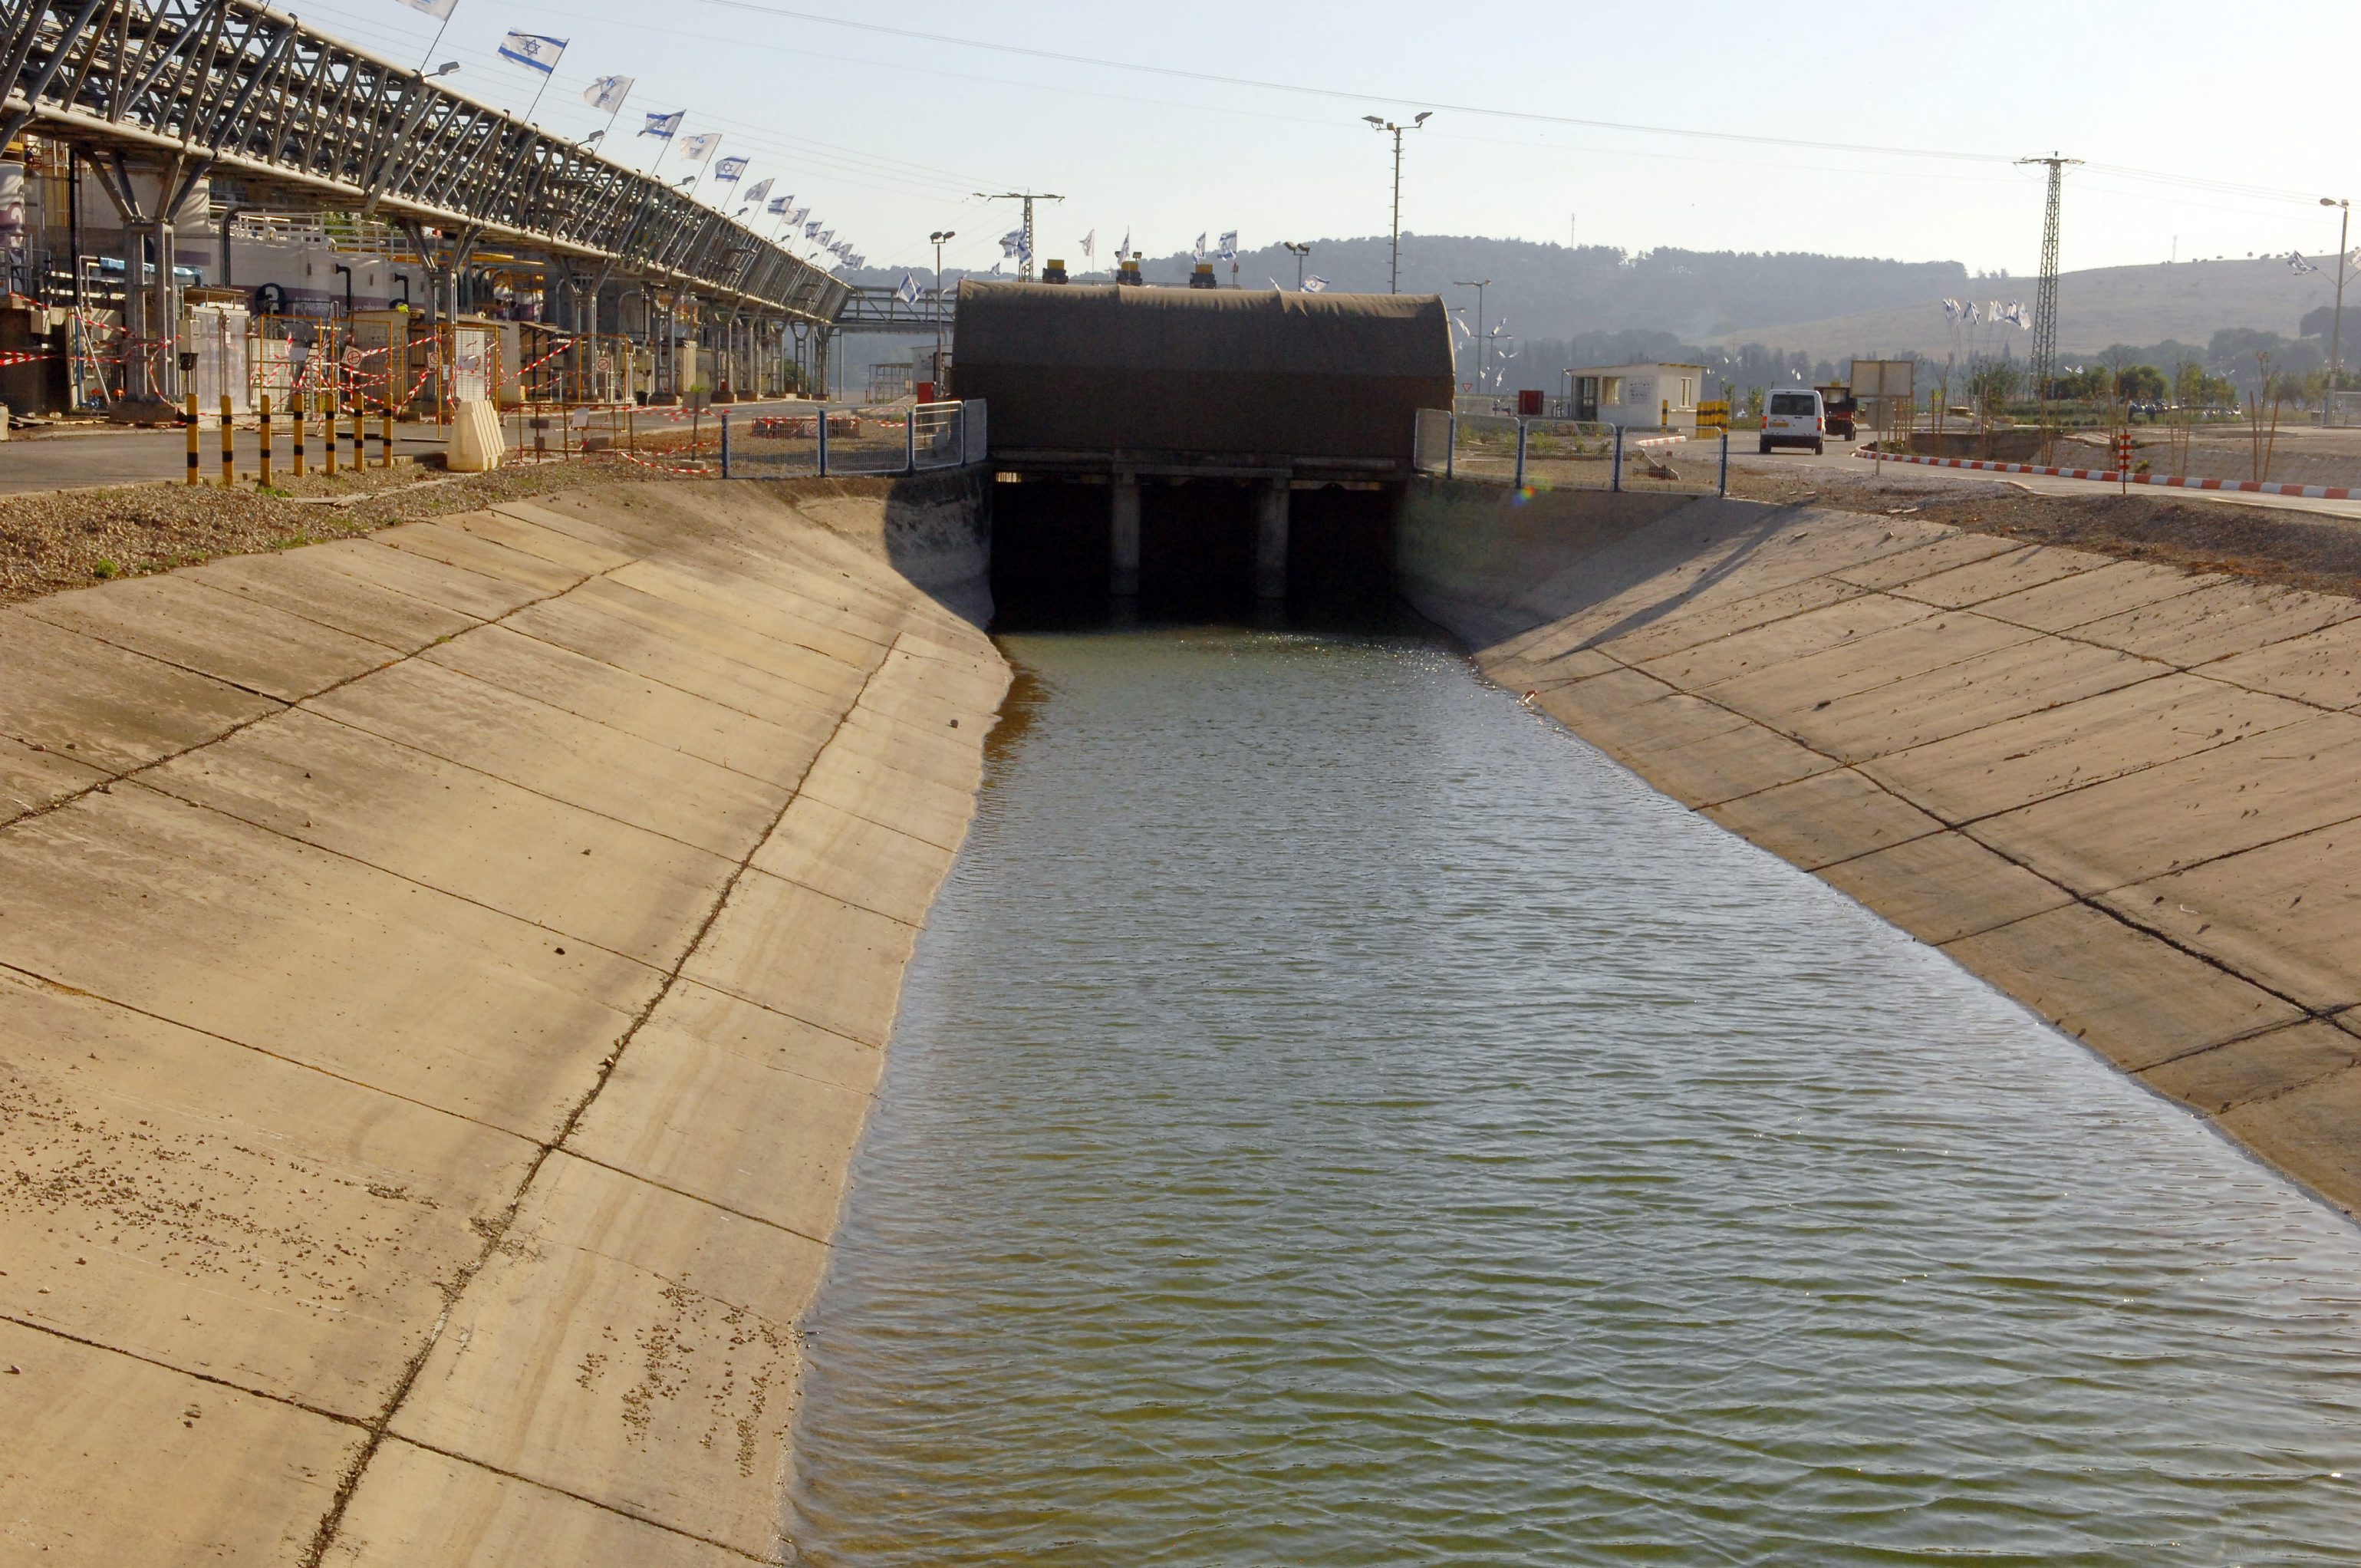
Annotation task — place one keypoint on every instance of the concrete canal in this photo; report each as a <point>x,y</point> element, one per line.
<point>1339,1116</point>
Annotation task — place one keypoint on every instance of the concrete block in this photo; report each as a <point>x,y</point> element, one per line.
<point>2138,1001</point>
<point>297,582</point>
<point>795,952</point>
<point>1775,644</point>
<point>1975,693</point>
<point>2218,621</point>
<point>1944,886</point>
<point>1946,638</point>
<point>476,445</point>
<point>453,588</point>
<point>2313,1131</point>
<point>555,546</point>
<point>863,863</point>
<point>107,708</point>
<point>767,1036</point>
<point>1941,552</point>
<point>457,547</point>
<point>1705,621</point>
<point>2287,914</point>
<point>1995,577</point>
<point>183,622</point>
<point>1722,763</point>
<point>32,777</point>
<point>1829,818</point>
<point>2321,667</point>
<point>2086,597</point>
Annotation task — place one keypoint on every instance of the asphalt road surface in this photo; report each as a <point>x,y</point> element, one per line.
<point>78,460</point>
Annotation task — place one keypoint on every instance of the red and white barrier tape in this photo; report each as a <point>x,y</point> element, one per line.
<point>545,358</point>
<point>2115,476</point>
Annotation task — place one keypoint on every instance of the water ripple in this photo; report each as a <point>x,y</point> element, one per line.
<point>1337,1118</point>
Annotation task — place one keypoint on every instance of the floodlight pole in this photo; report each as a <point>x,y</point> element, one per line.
<point>1300,252</point>
<point>938,237</point>
<point>1393,275</point>
<point>1024,268</point>
<point>2336,323</point>
<point>1479,286</point>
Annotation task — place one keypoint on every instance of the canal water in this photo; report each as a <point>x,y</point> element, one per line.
<point>1338,1118</point>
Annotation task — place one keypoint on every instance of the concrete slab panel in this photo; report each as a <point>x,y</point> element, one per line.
<point>787,947</point>
<point>1860,614</point>
<point>295,582</point>
<point>777,747</point>
<point>414,1507</point>
<point>867,788</point>
<point>799,619</point>
<point>195,916</point>
<point>2137,1000</point>
<point>580,626</point>
<point>547,750</point>
<point>217,1210</point>
<point>557,547</point>
<point>2287,913</point>
<point>2180,813</point>
<point>1942,554</point>
<point>941,751</point>
<point>2020,761</point>
<point>1573,664</point>
<point>456,589</point>
<point>1944,886</point>
<point>1724,763</point>
<point>34,776</point>
<point>849,858</point>
<point>1996,577</point>
<point>184,623</point>
<point>613,527</point>
<point>667,618</point>
<point>1944,639</point>
<point>1669,722</point>
<point>2322,667</point>
<point>1707,620</point>
<point>631,1346</point>
<point>705,1120</point>
<point>2313,1131</point>
<point>2025,678</point>
<point>930,691</point>
<point>2226,1077</point>
<point>456,547</point>
<point>2086,597</point>
<point>569,871</point>
<point>217,1476</point>
<point>1579,704</point>
<point>2218,621</point>
<point>1820,820</point>
<point>104,707</point>
<point>766,1037</point>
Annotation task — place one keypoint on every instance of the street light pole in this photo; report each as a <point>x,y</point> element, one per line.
<point>1298,252</point>
<point>937,237</point>
<point>1479,286</point>
<point>1393,277</point>
<point>2336,323</point>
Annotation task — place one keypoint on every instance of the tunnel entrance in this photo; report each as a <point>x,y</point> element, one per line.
<point>1081,550</point>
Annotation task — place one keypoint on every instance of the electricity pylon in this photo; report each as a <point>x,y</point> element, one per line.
<point>1024,267</point>
<point>2045,308</point>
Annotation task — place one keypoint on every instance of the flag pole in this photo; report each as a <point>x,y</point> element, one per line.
<point>703,164</point>
<point>537,91</point>
<point>438,37</point>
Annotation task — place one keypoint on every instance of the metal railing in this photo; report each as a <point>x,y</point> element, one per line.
<point>1567,455</point>
<point>795,440</point>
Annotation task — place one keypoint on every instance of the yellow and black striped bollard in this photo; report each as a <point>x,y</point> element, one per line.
<point>328,428</point>
<point>266,441</point>
<point>385,440</point>
<point>193,440</point>
<point>229,446</point>
<point>297,411</point>
<point>360,455</point>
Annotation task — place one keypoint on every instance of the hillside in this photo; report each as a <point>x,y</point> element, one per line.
<point>2190,300</point>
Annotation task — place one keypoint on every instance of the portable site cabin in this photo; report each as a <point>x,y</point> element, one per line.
<point>1657,394</point>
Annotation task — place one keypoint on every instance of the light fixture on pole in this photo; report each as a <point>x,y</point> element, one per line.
<point>2343,260</point>
<point>1393,275</point>
<point>937,237</point>
<point>1298,252</point>
<point>1480,285</point>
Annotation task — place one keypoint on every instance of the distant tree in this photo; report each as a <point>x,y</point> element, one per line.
<point>2141,384</point>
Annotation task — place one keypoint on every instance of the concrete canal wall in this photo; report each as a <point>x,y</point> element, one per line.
<point>2127,794</point>
<point>442,976</point>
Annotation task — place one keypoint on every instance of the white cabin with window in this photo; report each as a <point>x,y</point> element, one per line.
<point>1640,395</point>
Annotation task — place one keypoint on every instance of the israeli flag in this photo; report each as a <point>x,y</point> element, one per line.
<point>1125,248</point>
<point>1969,315</point>
<point>439,9</point>
<point>1230,246</point>
<point>1951,309</point>
<point>533,50</point>
<point>757,191</point>
<point>663,125</point>
<point>696,149</point>
<point>811,229</point>
<point>1011,242</point>
<point>607,92</point>
<point>1091,246</point>
<point>827,238</point>
<point>1315,284</point>
<point>2298,264</point>
<point>858,259</point>
<point>1197,252</point>
<point>778,205</point>
<point>908,292</point>
<point>727,170</point>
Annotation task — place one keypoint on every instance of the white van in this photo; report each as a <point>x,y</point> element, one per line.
<point>1794,418</point>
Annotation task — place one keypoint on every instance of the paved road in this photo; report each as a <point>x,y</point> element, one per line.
<point>77,460</point>
<point>1839,458</point>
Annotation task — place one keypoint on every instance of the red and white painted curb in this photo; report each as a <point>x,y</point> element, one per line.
<point>2114,476</point>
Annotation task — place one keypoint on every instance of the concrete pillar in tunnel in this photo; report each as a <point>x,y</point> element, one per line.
<point>1270,542</point>
<point>1123,537</point>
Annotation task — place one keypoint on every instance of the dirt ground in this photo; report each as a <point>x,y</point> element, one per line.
<point>2274,545</point>
<point>2300,454</point>
<point>73,538</point>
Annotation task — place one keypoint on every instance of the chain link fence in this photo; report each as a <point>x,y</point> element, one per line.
<point>1534,452</point>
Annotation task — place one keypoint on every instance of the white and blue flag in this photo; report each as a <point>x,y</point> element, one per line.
<point>727,170</point>
<point>799,215</point>
<point>697,149</point>
<point>663,125</point>
<point>1011,242</point>
<point>811,229</point>
<point>1197,251</point>
<point>758,189</point>
<point>828,239</point>
<point>779,206</point>
<point>439,9</point>
<point>533,50</point>
<point>1315,284</point>
<point>1230,246</point>
<point>607,92</point>
<point>908,292</point>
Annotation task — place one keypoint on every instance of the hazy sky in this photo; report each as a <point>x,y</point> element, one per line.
<point>2214,127</point>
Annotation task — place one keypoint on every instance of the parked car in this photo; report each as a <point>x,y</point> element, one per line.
<point>1794,419</point>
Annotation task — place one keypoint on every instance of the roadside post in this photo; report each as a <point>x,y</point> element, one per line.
<point>1725,461</point>
<point>298,411</point>
<point>821,420</point>
<point>191,417</point>
<point>266,441</point>
<point>725,444</point>
<point>229,447</point>
<point>1520,454</point>
<point>385,438</point>
<point>1615,483</point>
<point>360,435</point>
<point>328,429</point>
<point>2124,461</point>
<point>1451,447</point>
<point>910,430</point>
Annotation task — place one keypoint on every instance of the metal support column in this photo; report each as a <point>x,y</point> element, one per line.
<point>1270,543</point>
<point>1123,537</point>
